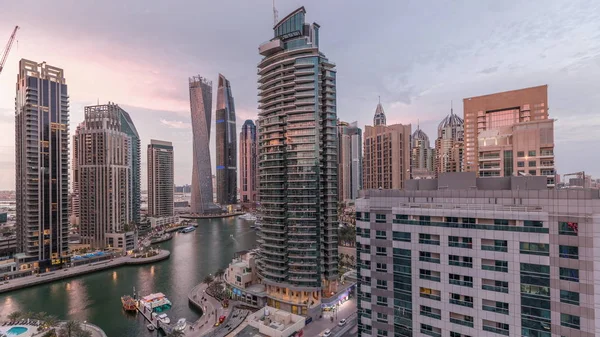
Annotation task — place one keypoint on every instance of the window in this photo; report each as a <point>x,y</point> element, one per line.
<point>366,216</point>
<point>568,228</point>
<point>499,307</point>
<point>568,252</point>
<point>428,239</point>
<point>451,219</point>
<point>469,220</point>
<point>521,154</point>
<point>465,261</point>
<point>428,275</point>
<point>569,321</point>
<point>533,223</point>
<point>457,334</point>
<point>382,300</point>
<point>380,235</point>
<point>401,217</point>
<point>401,236</point>
<point>534,248</point>
<point>455,241</point>
<point>520,164</point>
<point>381,267</point>
<point>381,317</point>
<point>380,218</point>
<point>427,257</point>
<point>500,222</point>
<point>381,284</point>
<point>532,172</point>
<point>569,297</point>
<point>532,153</point>
<point>382,333</point>
<point>569,274</point>
<point>531,163</point>
<point>381,251</point>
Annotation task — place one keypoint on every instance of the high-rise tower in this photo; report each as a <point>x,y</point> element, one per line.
<point>349,160</point>
<point>379,118</point>
<point>298,167</point>
<point>421,156</point>
<point>42,163</point>
<point>449,146</point>
<point>200,106</point>
<point>105,156</point>
<point>226,143</point>
<point>248,162</point>
<point>160,178</point>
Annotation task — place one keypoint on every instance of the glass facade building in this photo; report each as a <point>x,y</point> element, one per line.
<point>298,259</point>
<point>200,106</point>
<point>160,178</point>
<point>134,149</point>
<point>248,163</point>
<point>42,164</point>
<point>226,143</point>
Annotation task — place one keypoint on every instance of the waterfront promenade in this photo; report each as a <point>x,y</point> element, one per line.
<point>211,311</point>
<point>61,274</point>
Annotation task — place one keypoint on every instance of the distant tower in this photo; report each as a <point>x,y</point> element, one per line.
<point>421,156</point>
<point>160,178</point>
<point>449,145</point>
<point>379,118</point>
<point>42,163</point>
<point>349,160</point>
<point>200,106</point>
<point>226,144</point>
<point>248,162</point>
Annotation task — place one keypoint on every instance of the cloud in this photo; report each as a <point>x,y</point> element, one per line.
<point>176,124</point>
<point>488,70</point>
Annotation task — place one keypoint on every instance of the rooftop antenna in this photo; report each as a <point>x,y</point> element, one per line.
<point>275,14</point>
<point>379,97</point>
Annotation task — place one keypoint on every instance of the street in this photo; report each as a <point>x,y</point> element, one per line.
<point>317,327</point>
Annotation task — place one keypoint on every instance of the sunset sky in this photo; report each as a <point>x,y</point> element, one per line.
<point>417,55</point>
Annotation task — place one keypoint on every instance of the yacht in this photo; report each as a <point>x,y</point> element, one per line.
<point>150,327</point>
<point>248,216</point>
<point>188,229</point>
<point>181,324</point>
<point>163,318</point>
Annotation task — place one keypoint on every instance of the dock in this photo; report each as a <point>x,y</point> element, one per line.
<point>166,328</point>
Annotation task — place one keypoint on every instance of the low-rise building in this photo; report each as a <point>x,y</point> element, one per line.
<point>242,281</point>
<point>163,221</point>
<point>275,322</point>
<point>126,241</point>
<point>467,256</point>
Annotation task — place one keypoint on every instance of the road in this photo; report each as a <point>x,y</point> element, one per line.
<point>317,327</point>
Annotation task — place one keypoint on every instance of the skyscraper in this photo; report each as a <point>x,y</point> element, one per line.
<point>421,156</point>
<point>105,156</point>
<point>386,155</point>
<point>449,145</point>
<point>42,163</point>
<point>349,160</point>
<point>135,148</point>
<point>226,143</point>
<point>200,107</point>
<point>379,118</point>
<point>510,133</point>
<point>248,162</point>
<point>298,168</point>
<point>160,178</point>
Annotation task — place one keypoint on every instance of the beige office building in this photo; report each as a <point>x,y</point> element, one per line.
<point>386,155</point>
<point>449,145</point>
<point>509,133</point>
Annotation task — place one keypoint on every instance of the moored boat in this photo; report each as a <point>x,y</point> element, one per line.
<point>129,303</point>
<point>150,327</point>
<point>181,324</point>
<point>156,302</point>
<point>163,318</point>
<point>188,229</point>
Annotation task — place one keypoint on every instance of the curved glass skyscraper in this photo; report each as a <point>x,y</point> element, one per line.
<point>200,106</point>
<point>297,168</point>
<point>226,143</point>
<point>248,162</point>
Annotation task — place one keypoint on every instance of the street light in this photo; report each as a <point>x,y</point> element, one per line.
<point>85,325</point>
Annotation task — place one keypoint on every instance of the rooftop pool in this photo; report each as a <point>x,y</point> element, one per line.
<point>16,330</point>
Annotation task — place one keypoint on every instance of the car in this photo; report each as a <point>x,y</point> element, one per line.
<point>342,322</point>
<point>327,333</point>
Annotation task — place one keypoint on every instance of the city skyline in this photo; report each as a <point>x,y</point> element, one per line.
<point>454,65</point>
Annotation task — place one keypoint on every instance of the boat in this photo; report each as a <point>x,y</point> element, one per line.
<point>248,216</point>
<point>150,327</point>
<point>188,229</point>
<point>128,303</point>
<point>252,226</point>
<point>156,302</point>
<point>163,318</point>
<point>181,324</point>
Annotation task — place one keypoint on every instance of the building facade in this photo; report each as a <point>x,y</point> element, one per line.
<point>349,160</point>
<point>161,173</point>
<point>200,106</point>
<point>386,155</point>
<point>449,145</point>
<point>226,143</point>
<point>298,260</point>
<point>105,161</point>
<point>42,163</point>
<point>135,152</point>
<point>468,256</point>
<point>421,156</point>
<point>248,163</point>
<point>510,133</point>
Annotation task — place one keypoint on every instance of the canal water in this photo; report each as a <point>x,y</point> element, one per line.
<point>96,298</point>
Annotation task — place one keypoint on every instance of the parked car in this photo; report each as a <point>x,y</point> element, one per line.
<point>342,322</point>
<point>327,333</point>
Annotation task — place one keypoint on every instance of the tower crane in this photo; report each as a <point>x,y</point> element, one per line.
<point>580,175</point>
<point>7,48</point>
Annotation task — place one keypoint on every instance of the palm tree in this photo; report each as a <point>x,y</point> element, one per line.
<point>82,333</point>
<point>15,315</point>
<point>70,328</point>
<point>208,280</point>
<point>219,273</point>
<point>353,260</point>
<point>51,321</point>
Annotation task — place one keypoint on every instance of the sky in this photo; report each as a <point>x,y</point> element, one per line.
<point>418,56</point>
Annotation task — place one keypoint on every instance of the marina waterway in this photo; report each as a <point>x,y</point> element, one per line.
<point>96,298</point>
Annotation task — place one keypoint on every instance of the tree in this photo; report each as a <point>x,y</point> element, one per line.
<point>219,273</point>
<point>176,333</point>
<point>83,333</point>
<point>353,260</point>
<point>15,315</point>
<point>51,321</point>
<point>208,280</point>
<point>69,329</point>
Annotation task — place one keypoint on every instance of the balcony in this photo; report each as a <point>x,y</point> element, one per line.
<point>429,259</point>
<point>460,264</point>
<point>495,309</point>
<point>431,296</point>
<point>494,288</point>
<point>431,333</point>
<point>461,283</point>
<point>494,248</point>
<point>495,330</point>
<point>462,303</point>
<point>430,314</point>
<point>429,277</point>
<point>495,268</point>
<point>461,322</point>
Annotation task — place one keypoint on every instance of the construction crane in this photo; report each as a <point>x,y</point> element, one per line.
<point>580,175</point>
<point>7,48</point>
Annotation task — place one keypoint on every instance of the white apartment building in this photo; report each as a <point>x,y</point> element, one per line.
<point>464,256</point>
